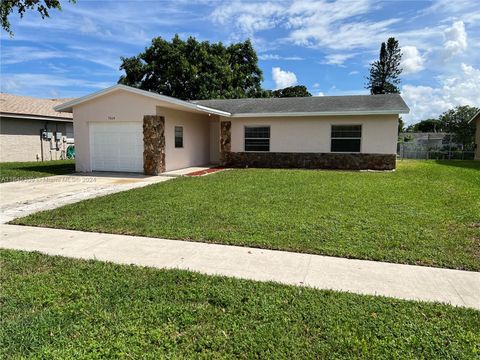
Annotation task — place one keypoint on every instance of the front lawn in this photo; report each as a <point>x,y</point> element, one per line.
<point>425,213</point>
<point>15,171</point>
<point>54,307</point>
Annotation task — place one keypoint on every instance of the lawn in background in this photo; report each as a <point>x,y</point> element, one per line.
<point>425,213</point>
<point>61,308</point>
<point>15,171</point>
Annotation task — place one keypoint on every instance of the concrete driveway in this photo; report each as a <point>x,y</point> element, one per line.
<point>21,198</point>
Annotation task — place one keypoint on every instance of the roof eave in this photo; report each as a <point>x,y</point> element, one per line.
<point>323,113</point>
<point>474,117</point>
<point>68,106</point>
<point>36,117</point>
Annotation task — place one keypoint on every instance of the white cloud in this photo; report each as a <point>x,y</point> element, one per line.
<point>42,84</point>
<point>455,39</point>
<point>353,72</point>
<point>412,60</point>
<point>316,85</point>
<point>468,10</point>
<point>338,59</point>
<point>248,17</point>
<point>461,88</point>
<point>320,94</point>
<point>20,54</point>
<point>283,78</point>
<point>278,57</point>
<point>330,24</point>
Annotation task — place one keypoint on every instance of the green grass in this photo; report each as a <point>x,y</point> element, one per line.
<point>15,171</point>
<point>54,307</point>
<point>425,213</point>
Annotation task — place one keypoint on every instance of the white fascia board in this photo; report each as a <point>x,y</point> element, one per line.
<point>323,113</point>
<point>34,117</point>
<point>67,107</point>
<point>213,111</point>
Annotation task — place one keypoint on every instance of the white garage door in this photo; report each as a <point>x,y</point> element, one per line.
<point>116,146</point>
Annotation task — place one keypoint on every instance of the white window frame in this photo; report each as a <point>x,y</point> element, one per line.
<point>345,138</point>
<point>257,126</point>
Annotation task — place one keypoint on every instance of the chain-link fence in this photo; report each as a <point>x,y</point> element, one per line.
<point>435,154</point>
<point>436,146</point>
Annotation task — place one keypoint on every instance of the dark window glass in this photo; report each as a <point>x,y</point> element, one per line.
<point>345,145</point>
<point>178,136</point>
<point>346,131</point>
<point>257,138</point>
<point>346,138</point>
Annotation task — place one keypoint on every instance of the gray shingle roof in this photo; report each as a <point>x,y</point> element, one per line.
<point>315,104</point>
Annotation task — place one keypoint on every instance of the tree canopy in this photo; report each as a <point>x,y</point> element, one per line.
<point>385,72</point>
<point>428,125</point>
<point>42,6</point>
<point>456,121</point>
<point>291,91</point>
<point>193,70</point>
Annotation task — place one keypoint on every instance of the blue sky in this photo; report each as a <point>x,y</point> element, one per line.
<point>325,45</point>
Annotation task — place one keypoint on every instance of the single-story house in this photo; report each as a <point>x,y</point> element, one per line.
<point>31,130</point>
<point>127,129</point>
<point>476,120</point>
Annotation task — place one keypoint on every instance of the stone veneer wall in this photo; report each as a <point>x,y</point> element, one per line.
<point>225,140</point>
<point>341,161</point>
<point>153,144</point>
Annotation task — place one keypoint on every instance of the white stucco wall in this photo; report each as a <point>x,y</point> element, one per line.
<point>114,107</point>
<point>196,135</point>
<point>312,134</point>
<point>123,106</point>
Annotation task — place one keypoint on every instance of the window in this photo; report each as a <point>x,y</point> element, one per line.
<point>179,136</point>
<point>257,138</point>
<point>346,138</point>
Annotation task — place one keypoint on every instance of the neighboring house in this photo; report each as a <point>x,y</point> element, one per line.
<point>31,130</point>
<point>476,121</point>
<point>417,145</point>
<point>126,129</point>
<point>430,140</point>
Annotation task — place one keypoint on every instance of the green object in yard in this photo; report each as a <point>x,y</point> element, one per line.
<point>71,152</point>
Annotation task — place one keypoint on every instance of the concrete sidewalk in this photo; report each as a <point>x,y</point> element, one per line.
<point>454,287</point>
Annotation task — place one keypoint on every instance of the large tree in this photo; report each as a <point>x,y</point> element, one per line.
<point>385,72</point>
<point>195,70</point>
<point>21,6</point>
<point>456,121</point>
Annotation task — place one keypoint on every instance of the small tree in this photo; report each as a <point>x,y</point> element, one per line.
<point>401,125</point>
<point>385,72</point>
<point>42,6</point>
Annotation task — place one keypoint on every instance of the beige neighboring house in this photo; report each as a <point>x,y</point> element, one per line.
<point>476,121</point>
<point>126,129</point>
<point>31,130</point>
